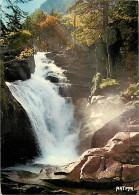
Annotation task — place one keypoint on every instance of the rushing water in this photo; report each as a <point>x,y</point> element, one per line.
<point>51,116</point>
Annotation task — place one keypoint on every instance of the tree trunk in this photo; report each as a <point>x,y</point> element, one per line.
<point>105,14</point>
<point>74,37</point>
<point>109,64</point>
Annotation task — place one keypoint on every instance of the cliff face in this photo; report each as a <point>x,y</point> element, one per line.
<point>18,142</point>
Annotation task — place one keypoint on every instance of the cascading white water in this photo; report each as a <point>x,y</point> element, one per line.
<point>50,115</point>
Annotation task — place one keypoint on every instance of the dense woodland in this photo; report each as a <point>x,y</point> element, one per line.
<point>107,28</point>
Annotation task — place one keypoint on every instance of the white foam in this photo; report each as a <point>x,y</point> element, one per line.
<point>49,113</point>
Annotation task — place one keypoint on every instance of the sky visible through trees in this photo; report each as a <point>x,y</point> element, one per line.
<point>28,7</point>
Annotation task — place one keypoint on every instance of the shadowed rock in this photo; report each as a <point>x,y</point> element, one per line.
<point>19,70</point>
<point>53,79</point>
<point>127,121</point>
<point>18,142</point>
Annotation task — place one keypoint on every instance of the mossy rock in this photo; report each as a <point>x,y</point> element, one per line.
<point>103,86</point>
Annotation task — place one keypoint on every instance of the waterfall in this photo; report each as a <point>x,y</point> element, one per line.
<point>51,116</point>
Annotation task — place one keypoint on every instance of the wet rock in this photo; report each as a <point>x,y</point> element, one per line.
<point>31,63</point>
<point>96,99</point>
<point>24,182</point>
<point>101,136</point>
<point>52,79</point>
<point>63,91</point>
<point>51,55</point>
<point>134,139</point>
<point>19,70</point>
<point>60,192</point>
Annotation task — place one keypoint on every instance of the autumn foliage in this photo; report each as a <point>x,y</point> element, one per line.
<point>47,31</point>
<point>52,33</point>
<point>50,21</point>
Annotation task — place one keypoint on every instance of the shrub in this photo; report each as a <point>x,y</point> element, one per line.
<point>132,90</point>
<point>27,52</point>
<point>109,82</point>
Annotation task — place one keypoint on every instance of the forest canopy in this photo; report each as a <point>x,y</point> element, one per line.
<point>110,27</point>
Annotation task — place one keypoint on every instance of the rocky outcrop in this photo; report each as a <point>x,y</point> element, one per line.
<point>104,87</point>
<point>19,69</point>
<point>18,144</point>
<point>106,167</point>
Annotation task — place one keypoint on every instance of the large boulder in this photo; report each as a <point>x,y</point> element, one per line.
<point>106,167</point>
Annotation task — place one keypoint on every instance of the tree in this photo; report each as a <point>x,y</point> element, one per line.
<point>32,23</point>
<point>57,13</point>
<point>12,14</point>
<point>93,19</point>
<point>125,15</point>
<point>52,33</point>
<point>47,30</point>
